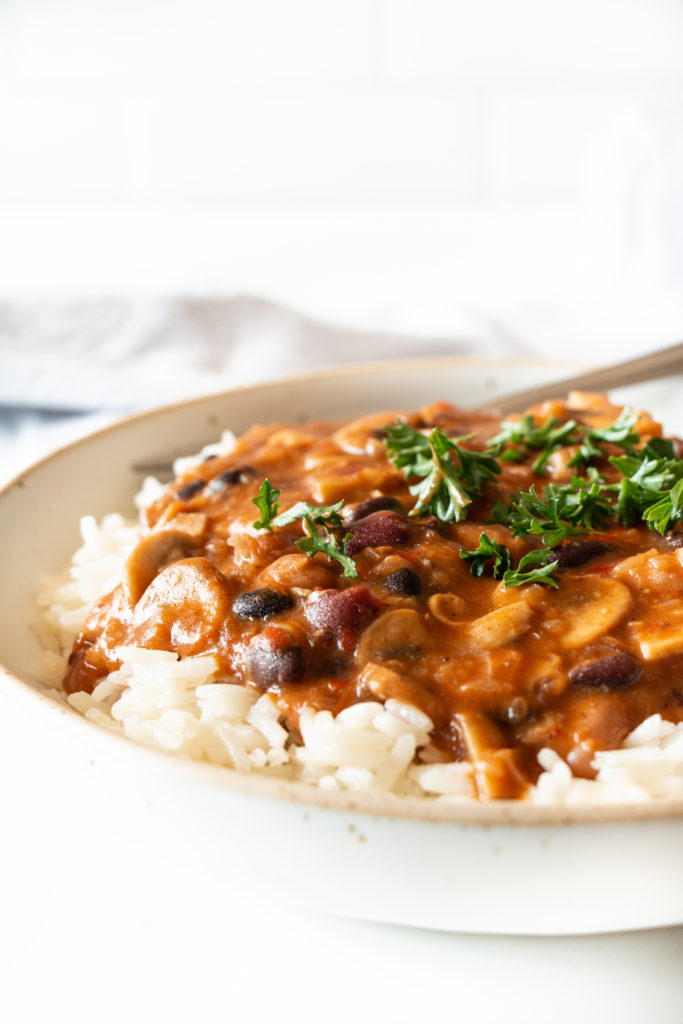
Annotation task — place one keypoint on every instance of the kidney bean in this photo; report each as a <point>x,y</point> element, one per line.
<point>578,552</point>
<point>675,539</point>
<point>261,604</point>
<point>188,491</point>
<point>613,672</point>
<point>273,659</point>
<point>376,530</point>
<point>404,581</point>
<point>340,610</point>
<point>377,504</point>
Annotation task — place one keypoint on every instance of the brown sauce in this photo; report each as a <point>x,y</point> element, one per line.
<point>501,672</point>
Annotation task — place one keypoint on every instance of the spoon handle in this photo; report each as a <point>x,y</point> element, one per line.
<point>655,364</point>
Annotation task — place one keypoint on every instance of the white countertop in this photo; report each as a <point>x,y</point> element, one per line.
<point>145,942</point>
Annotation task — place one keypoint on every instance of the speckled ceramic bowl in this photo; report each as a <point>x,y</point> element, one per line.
<point>504,867</point>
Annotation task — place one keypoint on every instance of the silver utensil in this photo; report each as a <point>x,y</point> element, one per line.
<point>656,364</point>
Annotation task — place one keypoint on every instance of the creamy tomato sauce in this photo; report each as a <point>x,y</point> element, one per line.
<point>502,672</point>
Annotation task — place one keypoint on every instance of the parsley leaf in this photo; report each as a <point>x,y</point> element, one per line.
<point>327,515</point>
<point>620,432</point>
<point>529,514</point>
<point>541,571</point>
<point>549,436</point>
<point>316,521</point>
<point>267,504</point>
<point>667,511</point>
<point>564,510</point>
<point>585,501</point>
<point>647,476</point>
<point>452,476</point>
<point>321,540</point>
<point>487,550</point>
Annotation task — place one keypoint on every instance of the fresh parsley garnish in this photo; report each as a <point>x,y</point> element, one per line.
<point>267,504</point>
<point>316,522</point>
<point>564,510</point>
<point>451,476</point>
<point>548,436</point>
<point>620,432</point>
<point>541,571</point>
<point>648,474</point>
<point>527,514</point>
<point>488,549</point>
<point>327,515</point>
<point>321,540</point>
<point>668,510</point>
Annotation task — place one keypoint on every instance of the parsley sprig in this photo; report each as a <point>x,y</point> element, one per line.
<point>668,510</point>
<point>317,521</point>
<point>321,540</point>
<point>525,435</point>
<point>534,567</point>
<point>620,433</point>
<point>267,504</point>
<point>563,510</point>
<point>548,436</point>
<point>648,475</point>
<point>451,476</point>
<point>327,515</point>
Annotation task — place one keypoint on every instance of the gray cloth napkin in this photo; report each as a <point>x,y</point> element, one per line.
<point>116,353</point>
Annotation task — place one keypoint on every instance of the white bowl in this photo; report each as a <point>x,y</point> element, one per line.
<point>503,867</point>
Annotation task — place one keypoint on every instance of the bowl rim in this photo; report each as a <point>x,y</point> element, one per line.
<point>50,705</point>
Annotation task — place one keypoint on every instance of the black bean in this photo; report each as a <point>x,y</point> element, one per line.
<point>378,504</point>
<point>377,530</point>
<point>271,664</point>
<point>404,581</point>
<point>188,491</point>
<point>229,477</point>
<point>614,672</point>
<point>578,552</point>
<point>261,604</point>
<point>513,713</point>
<point>339,610</point>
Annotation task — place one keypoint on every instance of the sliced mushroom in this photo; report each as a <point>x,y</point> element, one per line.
<point>447,608</point>
<point>589,607</point>
<point>297,570</point>
<point>154,553</point>
<point>182,609</point>
<point>500,626</point>
<point>396,634</point>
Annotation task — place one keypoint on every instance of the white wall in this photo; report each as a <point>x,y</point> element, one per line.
<point>386,162</point>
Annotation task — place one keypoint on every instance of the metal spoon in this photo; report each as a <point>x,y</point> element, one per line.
<point>632,371</point>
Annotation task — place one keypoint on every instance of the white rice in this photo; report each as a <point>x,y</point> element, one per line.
<point>158,699</point>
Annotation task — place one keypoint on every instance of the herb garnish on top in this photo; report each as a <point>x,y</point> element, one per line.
<point>452,476</point>
<point>316,520</point>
